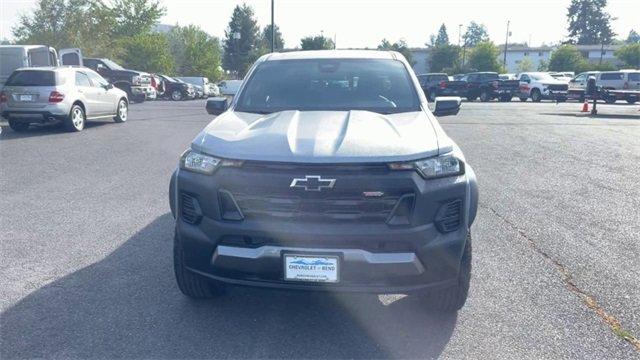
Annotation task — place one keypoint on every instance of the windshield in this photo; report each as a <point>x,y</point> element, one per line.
<point>382,86</point>
<point>112,65</point>
<point>541,77</point>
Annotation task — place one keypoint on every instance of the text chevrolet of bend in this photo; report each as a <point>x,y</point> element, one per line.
<point>327,171</point>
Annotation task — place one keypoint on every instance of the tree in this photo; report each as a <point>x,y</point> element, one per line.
<point>135,17</point>
<point>399,46</point>
<point>442,38</point>
<point>149,52</point>
<point>196,52</point>
<point>475,34</point>
<point>443,56</point>
<point>318,42</point>
<point>484,57</point>
<point>589,23</point>
<point>633,38</point>
<point>567,58</point>
<point>543,65</point>
<point>630,54</point>
<point>241,43</point>
<point>525,65</point>
<point>265,40</point>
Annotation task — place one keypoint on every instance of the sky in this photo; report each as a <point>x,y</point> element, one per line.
<point>364,23</point>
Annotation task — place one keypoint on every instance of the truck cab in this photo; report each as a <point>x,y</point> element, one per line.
<point>136,84</point>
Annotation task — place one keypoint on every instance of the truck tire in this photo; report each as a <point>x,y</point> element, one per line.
<point>122,112</point>
<point>471,98</point>
<point>536,95</point>
<point>18,126</point>
<point>191,284</point>
<point>610,99</point>
<point>76,119</point>
<point>485,96</point>
<point>631,99</point>
<point>453,298</point>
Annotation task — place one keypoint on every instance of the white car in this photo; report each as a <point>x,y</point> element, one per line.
<point>541,85</point>
<point>230,87</point>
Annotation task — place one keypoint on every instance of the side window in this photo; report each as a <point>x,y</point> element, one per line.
<point>581,77</point>
<point>611,76</point>
<point>97,80</point>
<point>525,77</point>
<point>82,79</point>
<point>634,76</point>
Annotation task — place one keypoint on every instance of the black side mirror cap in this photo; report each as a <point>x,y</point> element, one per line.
<point>217,105</point>
<point>447,105</point>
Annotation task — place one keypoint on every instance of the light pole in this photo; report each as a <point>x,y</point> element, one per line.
<point>506,42</point>
<point>273,28</point>
<point>459,33</point>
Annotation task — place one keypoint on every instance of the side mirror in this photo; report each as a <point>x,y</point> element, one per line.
<point>217,105</point>
<point>445,106</point>
<point>108,86</point>
<point>528,81</point>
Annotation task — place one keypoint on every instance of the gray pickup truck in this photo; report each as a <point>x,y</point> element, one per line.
<point>327,172</point>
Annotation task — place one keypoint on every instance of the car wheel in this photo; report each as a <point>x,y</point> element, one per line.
<point>191,284</point>
<point>18,125</point>
<point>122,112</point>
<point>176,95</point>
<point>610,99</point>
<point>471,98</point>
<point>76,119</point>
<point>484,96</point>
<point>631,100</point>
<point>453,298</point>
<point>536,95</point>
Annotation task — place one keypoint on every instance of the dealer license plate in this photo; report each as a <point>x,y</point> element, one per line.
<point>311,268</point>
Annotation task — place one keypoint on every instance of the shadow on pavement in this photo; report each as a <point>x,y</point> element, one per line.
<point>598,116</point>
<point>128,306</point>
<point>49,129</point>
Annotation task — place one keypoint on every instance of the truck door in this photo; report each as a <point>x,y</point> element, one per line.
<point>71,57</point>
<point>39,57</point>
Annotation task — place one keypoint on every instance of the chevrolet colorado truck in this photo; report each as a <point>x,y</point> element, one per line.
<point>326,172</point>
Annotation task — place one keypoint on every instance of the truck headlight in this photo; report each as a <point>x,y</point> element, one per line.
<point>197,162</point>
<point>435,167</point>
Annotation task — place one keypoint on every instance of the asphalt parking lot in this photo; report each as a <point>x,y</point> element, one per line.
<point>87,235</point>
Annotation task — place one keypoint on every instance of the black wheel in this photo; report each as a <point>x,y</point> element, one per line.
<point>536,95</point>
<point>453,298</point>
<point>18,126</point>
<point>610,99</point>
<point>505,98</point>
<point>484,96</point>
<point>176,95</point>
<point>631,100</point>
<point>471,98</point>
<point>76,119</point>
<point>192,285</point>
<point>122,112</point>
<point>524,99</point>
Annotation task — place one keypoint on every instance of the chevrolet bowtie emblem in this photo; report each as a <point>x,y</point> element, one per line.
<point>312,183</point>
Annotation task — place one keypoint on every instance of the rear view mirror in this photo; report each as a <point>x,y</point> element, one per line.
<point>217,105</point>
<point>445,106</point>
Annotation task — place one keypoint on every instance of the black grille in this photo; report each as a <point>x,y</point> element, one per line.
<point>189,209</point>
<point>341,208</point>
<point>449,216</point>
<point>558,87</point>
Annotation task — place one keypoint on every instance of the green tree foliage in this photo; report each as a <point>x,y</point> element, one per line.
<point>443,57</point>
<point>134,17</point>
<point>240,53</point>
<point>633,38</point>
<point>318,42</point>
<point>399,46</point>
<point>484,57</point>
<point>525,65</point>
<point>543,65</point>
<point>567,58</point>
<point>149,52</point>
<point>589,23</point>
<point>630,54</point>
<point>196,53</point>
<point>442,38</point>
<point>265,39</point>
<point>475,34</point>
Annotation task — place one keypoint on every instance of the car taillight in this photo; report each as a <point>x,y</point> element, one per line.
<point>3,97</point>
<point>626,85</point>
<point>56,97</point>
<point>443,84</point>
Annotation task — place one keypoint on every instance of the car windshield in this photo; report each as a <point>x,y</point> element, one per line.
<point>541,77</point>
<point>381,86</point>
<point>112,65</point>
<point>32,78</point>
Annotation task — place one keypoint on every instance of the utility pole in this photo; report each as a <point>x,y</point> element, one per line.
<point>601,52</point>
<point>273,28</point>
<point>459,33</point>
<point>506,42</point>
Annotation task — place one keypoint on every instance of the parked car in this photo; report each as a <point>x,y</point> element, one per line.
<point>137,84</point>
<point>69,95</point>
<point>214,90</point>
<point>485,85</point>
<point>578,85</point>
<point>198,81</point>
<point>279,192</point>
<point>13,57</point>
<point>619,80</point>
<point>430,83</point>
<point>229,87</point>
<point>177,90</point>
<point>541,85</point>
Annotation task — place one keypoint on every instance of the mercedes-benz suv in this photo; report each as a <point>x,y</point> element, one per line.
<point>327,171</point>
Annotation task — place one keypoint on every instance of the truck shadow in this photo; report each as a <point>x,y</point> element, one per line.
<point>128,306</point>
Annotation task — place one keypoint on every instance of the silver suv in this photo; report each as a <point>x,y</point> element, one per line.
<point>60,94</point>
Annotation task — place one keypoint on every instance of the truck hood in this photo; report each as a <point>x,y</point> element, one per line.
<point>320,136</point>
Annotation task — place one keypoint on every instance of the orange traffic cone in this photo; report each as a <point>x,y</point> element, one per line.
<point>585,106</point>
